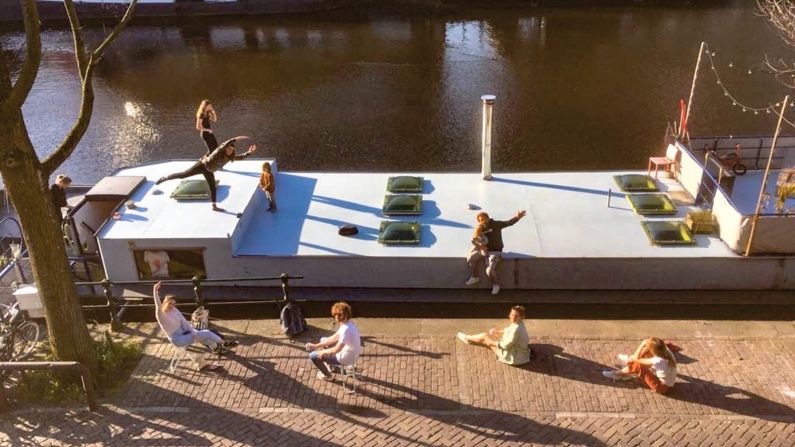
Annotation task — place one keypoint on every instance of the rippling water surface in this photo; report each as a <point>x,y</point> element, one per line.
<point>576,88</point>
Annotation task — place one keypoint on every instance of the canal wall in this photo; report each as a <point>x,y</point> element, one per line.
<point>54,10</point>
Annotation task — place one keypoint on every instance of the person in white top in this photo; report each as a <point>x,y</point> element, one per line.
<point>178,330</point>
<point>342,348</point>
<point>652,362</point>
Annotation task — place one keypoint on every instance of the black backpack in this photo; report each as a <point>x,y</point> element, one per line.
<point>292,319</point>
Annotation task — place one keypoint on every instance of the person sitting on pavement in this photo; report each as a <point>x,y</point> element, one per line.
<point>510,344</point>
<point>343,348</point>
<point>492,230</point>
<point>180,332</point>
<point>652,362</point>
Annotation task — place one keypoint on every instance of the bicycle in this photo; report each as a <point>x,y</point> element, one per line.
<point>18,335</point>
<point>732,160</point>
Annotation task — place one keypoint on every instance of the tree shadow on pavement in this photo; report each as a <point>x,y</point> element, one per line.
<point>489,423</point>
<point>729,398</point>
<point>193,422</point>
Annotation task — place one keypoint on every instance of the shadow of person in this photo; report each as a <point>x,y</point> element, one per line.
<point>729,398</point>
<point>569,366</point>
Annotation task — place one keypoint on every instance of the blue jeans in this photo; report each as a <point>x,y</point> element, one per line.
<point>321,364</point>
<point>187,338</point>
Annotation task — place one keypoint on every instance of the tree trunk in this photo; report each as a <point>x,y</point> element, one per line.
<point>28,188</point>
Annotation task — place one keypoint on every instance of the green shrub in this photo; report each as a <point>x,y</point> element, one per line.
<point>116,359</point>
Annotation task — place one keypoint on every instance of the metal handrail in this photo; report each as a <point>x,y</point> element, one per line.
<point>116,308</point>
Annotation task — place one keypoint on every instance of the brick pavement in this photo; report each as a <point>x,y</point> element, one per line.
<point>432,390</point>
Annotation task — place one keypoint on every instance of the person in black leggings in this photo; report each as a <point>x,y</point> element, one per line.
<point>208,164</point>
<point>204,117</point>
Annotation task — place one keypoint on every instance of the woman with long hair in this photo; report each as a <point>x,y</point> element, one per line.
<point>652,362</point>
<point>205,116</point>
<point>212,162</point>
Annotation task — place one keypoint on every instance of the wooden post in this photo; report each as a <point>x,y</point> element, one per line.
<point>693,87</point>
<point>764,179</point>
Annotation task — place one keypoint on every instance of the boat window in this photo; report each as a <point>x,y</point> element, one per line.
<point>404,183</point>
<point>192,189</point>
<point>169,264</point>
<point>664,232</point>
<point>405,233</point>
<point>651,204</point>
<point>402,204</point>
<point>635,183</point>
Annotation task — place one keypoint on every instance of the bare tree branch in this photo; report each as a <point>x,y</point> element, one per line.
<point>67,146</point>
<point>77,36</point>
<point>781,15</point>
<point>30,67</point>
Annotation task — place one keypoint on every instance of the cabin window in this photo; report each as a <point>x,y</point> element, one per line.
<point>402,204</point>
<point>169,264</point>
<point>404,183</point>
<point>405,233</point>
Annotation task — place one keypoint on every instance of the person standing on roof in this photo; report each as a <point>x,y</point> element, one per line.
<point>492,231</point>
<point>208,164</point>
<point>205,116</point>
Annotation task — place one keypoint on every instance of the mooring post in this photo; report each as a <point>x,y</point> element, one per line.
<point>113,308</point>
<point>285,286</point>
<point>197,291</point>
<point>488,106</point>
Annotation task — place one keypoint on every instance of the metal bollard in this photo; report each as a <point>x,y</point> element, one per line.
<point>197,291</point>
<point>285,286</point>
<point>113,308</point>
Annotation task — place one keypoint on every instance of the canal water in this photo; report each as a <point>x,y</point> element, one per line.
<point>587,89</point>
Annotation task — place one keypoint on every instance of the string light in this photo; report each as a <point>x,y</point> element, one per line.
<point>770,108</point>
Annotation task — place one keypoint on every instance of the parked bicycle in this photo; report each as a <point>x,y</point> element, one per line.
<point>18,335</point>
<point>732,160</point>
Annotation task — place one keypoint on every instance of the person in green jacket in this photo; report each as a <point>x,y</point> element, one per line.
<point>510,344</point>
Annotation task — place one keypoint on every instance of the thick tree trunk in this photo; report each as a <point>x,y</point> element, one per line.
<point>28,188</point>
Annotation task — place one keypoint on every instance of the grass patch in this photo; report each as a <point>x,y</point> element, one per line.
<point>117,359</point>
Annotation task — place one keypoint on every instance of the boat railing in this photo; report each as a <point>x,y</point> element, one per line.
<point>117,305</point>
<point>755,149</point>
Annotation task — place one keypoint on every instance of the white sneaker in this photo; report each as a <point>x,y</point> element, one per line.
<point>472,281</point>
<point>495,289</point>
<point>322,376</point>
<point>623,358</point>
<point>615,375</point>
<point>462,337</point>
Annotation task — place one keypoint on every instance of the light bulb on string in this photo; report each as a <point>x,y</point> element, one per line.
<point>749,71</point>
<point>731,65</point>
<point>734,103</point>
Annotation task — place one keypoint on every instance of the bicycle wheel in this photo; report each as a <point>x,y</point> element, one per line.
<point>739,168</point>
<point>27,335</point>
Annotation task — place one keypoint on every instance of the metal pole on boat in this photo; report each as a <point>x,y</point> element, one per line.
<point>488,106</point>
<point>693,86</point>
<point>764,179</point>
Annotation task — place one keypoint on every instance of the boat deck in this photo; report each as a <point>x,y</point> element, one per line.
<point>568,216</point>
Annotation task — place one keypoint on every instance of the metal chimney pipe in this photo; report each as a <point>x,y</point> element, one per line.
<point>488,106</point>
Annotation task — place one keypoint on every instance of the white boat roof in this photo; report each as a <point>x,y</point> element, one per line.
<point>567,215</point>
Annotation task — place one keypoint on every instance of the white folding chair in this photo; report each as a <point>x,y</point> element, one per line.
<point>349,377</point>
<point>179,354</point>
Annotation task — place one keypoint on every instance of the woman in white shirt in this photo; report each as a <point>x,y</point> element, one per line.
<point>652,362</point>
<point>342,348</point>
<point>178,329</point>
